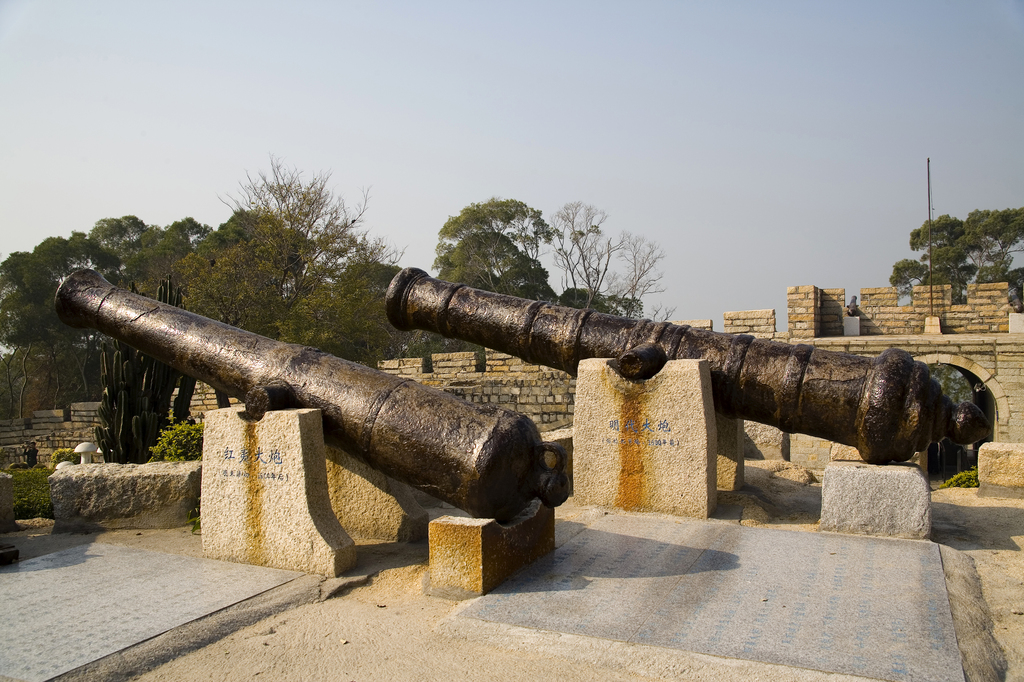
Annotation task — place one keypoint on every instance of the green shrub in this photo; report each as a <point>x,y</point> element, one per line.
<point>19,465</point>
<point>965,479</point>
<point>178,443</point>
<point>64,455</point>
<point>32,494</point>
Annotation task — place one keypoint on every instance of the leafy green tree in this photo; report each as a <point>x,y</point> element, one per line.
<point>979,249</point>
<point>146,253</point>
<point>293,263</point>
<point>994,237</point>
<point>47,364</point>
<point>495,246</point>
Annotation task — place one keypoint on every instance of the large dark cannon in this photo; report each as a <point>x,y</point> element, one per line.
<point>887,407</point>
<point>483,459</point>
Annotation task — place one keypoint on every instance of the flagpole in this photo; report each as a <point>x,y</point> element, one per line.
<point>931,285</point>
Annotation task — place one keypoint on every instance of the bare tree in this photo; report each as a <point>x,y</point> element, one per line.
<point>620,272</point>
<point>639,276</point>
<point>583,253</point>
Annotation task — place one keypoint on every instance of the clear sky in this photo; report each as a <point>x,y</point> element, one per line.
<point>763,145</point>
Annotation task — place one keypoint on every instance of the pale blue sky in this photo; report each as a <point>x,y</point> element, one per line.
<point>762,145</point>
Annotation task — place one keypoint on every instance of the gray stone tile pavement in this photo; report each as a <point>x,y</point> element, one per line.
<point>870,607</point>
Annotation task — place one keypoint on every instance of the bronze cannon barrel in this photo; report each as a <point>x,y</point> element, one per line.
<point>483,459</point>
<point>887,407</point>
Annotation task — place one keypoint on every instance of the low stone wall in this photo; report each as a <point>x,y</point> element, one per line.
<point>757,323</point>
<point>53,429</point>
<point>50,429</point>
<point>545,395</point>
<point>204,399</point>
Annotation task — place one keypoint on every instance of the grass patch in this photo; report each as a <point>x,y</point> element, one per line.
<point>31,493</point>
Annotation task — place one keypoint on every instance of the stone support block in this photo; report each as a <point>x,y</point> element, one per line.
<point>851,326</point>
<point>370,505</point>
<point>265,494</point>
<point>729,466</point>
<point>7,524</point>
<point>93,496</point>
<point>761,441</point>
<point>470,557</point>
<point>1001,470</point>
<point>1017,323</point>
<point>891,500</point>
<point>646,445</point>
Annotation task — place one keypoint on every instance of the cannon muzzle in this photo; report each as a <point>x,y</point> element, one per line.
<point>887,407</point>
<point>483,459</point>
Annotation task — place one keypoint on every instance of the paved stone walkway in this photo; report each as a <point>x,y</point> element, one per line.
<point>64,610</point>
<point>870,607</point>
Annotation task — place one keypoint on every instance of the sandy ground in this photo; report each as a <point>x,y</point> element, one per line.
<point>389,630</point>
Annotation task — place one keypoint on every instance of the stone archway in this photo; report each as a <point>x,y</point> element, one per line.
<point>1000,414</point>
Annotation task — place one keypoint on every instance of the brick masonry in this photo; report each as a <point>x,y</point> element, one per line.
<point>815,312</point>
<point>545,395</point>
<point>53,429</point>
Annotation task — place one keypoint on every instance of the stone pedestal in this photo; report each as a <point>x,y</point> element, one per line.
<point>470,557</point>
<point>646,445</point>
<point>1001,470</point>
<point>729,465</point>
<point>851,326</point>
<point>7,524</point>
<point>369,505</point>
<point>87,497</point>
<point>265,493</point>
<point>891,500</point>
<point>1017,323</point>
<point>761,441</point>
<point>932,325</point>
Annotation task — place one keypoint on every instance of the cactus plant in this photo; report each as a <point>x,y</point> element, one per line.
<point>136,402</point>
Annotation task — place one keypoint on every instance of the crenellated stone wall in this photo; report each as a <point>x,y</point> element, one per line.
<point>817,313</point>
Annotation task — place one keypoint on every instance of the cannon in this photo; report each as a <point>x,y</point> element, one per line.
<point>488,461</point>
<point>887,407</point>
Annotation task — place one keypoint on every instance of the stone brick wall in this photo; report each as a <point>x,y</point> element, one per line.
<point>50,429</point>
<point>204,399</point>
<point>831,303</point>
<point>809,451</point>
<point>803,304</point>
<point>815,312</point>
<point>696,324</point>
<point>758,323</point>
<point>545,395</point>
